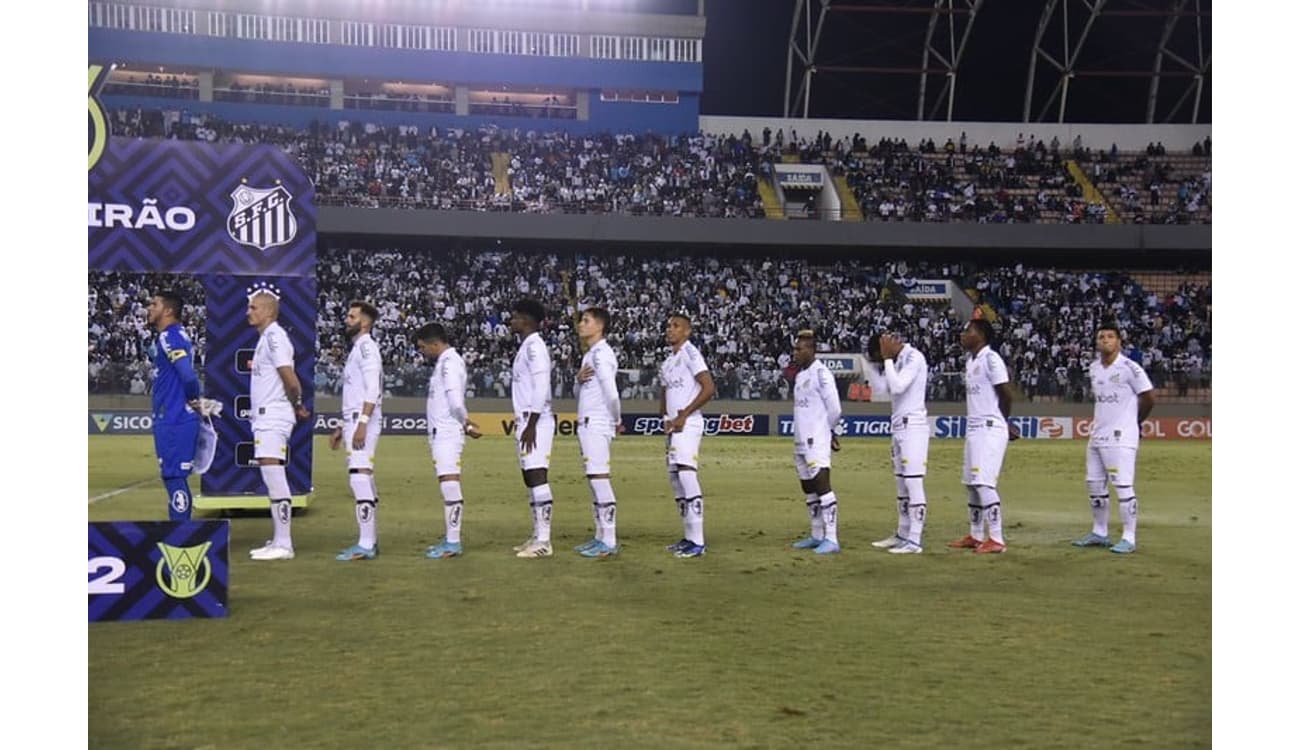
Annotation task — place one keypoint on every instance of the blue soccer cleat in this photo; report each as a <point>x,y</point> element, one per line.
<point>678,545</point>
<point>443,549</point>
<point>806,543</point>
<point>599,549</point>
<point>1124,547</point>
<point>1093,539</point>
<point>691,550</point>
<point>827,547</point>
<point>587,545</point>
<point>357,552</point>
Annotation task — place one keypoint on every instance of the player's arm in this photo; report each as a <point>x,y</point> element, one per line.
<point>293,390</point>
<point>1146,394</point>
<point>183,363</point>
<point>372,378</point>
<point>831,402</point>
<point>606,376</point>
<point>539,364</point>
<point>454,380</point>
<point>1005,397</point>
<point>899,378</point>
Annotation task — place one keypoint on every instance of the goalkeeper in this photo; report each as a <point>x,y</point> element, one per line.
<point>176,402</point>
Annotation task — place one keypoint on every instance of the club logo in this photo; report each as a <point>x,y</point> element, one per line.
<point>262,217</point>
<point>98,139</point>
<point>183,565</point>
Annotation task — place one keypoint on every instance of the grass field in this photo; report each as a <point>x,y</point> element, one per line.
<point>754,645</point>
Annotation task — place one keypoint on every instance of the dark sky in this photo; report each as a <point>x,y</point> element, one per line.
<point>745,62</point>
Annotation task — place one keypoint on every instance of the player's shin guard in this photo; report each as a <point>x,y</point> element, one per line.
<point>976,513</point>
<point>453,506</point>
<point>179,501</point>
<point>363,491</point>
<point>830,516</point>
<point>1099,500</point>
<point>814,504</point>
<point>904,520</point>
<point>1128,511</point>
<point>915,509</point>
<point>693,518</point>
<point>277,488</point>
<point>606,511</point>
<point>541,505</point>
<point>992,507</point>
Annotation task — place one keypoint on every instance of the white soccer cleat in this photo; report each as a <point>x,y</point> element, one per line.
<point>535,549</point>
<point>889,542</point>
<point>905,547</point>
<point>521,547</point>
<point>271,551</point>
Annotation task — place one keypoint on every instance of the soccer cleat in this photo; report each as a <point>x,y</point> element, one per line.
<point>535,549</point>
<point>1093,539</point>
<point>520,547</point>
<point>905,547</point>
<point>443,550</point>
<point>966,542</point>
<point>807,543</point>
<point>599,549</point>
<point>1124,547</point>
<point>691,550</point>
<point>271,551</point>
<point>990,547</point>
<point>827,547</point>
<point>587,544</point>
<point>678,545</point>
<point>357,552</point>
<point>889,542</point>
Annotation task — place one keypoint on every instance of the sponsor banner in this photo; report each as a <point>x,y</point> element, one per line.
<point>1032,428</point>
<point>120,422</point>
<point>800,179</point>
<point>842,365</point>
<point>928,289</point>
<point>714,424</point>
<point>157,570</point>
<point>1159,428</point>
<point>850,425</point>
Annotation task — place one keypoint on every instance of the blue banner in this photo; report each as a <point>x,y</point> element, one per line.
<point>157,570</point>
<point>714,424</point>
<point>852,425</point>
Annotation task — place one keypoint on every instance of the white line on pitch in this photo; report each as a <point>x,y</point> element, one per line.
<point>118,491</point>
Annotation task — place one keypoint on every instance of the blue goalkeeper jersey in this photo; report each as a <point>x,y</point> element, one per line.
<point>175,381</point>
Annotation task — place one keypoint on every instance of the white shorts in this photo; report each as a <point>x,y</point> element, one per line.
<point>910,450</point>
<point>364,458</point>
<point>1117,465</point>
<point>985,449</point>
<point>811,457</point>
<point>271,438</point>
<point>540,456</point>
<point>594,441</point>
<point>684,446</point>
<point>446,450</point>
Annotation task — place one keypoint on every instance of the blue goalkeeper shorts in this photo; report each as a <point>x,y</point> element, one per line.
<point>174,441</point>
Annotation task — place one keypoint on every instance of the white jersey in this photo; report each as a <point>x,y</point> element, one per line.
<point>816,402</point>
<point>266,392</point>
<point>985,370</point>
<point>598,397</point>
<point>445,406</point>
<point>1115,404</point>
<point>677,374</point>
<point>363,377</point>
<point>530,386</point>
<point>904,379</point>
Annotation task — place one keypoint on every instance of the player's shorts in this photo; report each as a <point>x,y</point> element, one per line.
<point>1114,464</point>
<point>986,445</point>
<point>812,454</point>
<point>446,446</point>
<point>684,446</point>
<point>910,448</point>
<point>271,438</point>
<point>540,456</point>
<point>364,458</point>
<point>173,442</point>
<point>594,439</point>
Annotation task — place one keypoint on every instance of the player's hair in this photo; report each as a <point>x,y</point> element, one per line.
<point>985,328</point>
<point>682,317</point>
<point>873,348</point>
<point>806,334</point>
<point>431,332</point>
<point>600,314</point>
<point>1110,325</point>
<point>530,307</point>
<point>367,309</point>
<point>172,299</point>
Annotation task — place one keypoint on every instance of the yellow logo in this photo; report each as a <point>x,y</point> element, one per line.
<point>102,420</point>
<point>184,564</point>
<point>98,122</point>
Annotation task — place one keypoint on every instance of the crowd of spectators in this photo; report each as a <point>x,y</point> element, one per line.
<point>745,311</point>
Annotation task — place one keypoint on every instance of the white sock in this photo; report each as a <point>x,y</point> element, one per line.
<point>277,488</point>
<point>915,509</point>
<point>453,506</point>
<point>976,513</point>
<point>992,507</point>
<point>679,495</point>
<point>904,520</point>
<point>1128,511</point>
<point>830,517</point>
<point>693,518</point>
<point>815,515</point>
<point>606,510</point>
<point>363,490</point>
<point>541,504</point>
<point>1100,514</point>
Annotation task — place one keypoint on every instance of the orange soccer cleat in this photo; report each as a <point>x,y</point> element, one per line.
<point>990,547</point>
<point>966,542</point>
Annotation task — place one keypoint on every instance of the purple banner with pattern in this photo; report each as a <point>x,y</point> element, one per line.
<point>157,570</point>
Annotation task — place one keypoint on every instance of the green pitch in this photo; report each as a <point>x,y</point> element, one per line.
<point>754,645</point>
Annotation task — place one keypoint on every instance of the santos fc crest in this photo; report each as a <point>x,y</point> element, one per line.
<point>262,217</point>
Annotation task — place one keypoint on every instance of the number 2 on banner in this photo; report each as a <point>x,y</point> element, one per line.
<point>105,583</point>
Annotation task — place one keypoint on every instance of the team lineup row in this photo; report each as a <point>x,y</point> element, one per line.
<point>1123,397</point>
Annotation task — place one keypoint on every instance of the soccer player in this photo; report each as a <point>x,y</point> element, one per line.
<point>363,381</point>
<point>449,423</point>
<point>1122,398</point>
<point>276,396</point>
<point>176,392</point>
<point>902,374</point>
<point>816,413</point>
<point>686,385</point>
<point>599,419</point>
<point>988,404</point>
<point>530,390</point>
